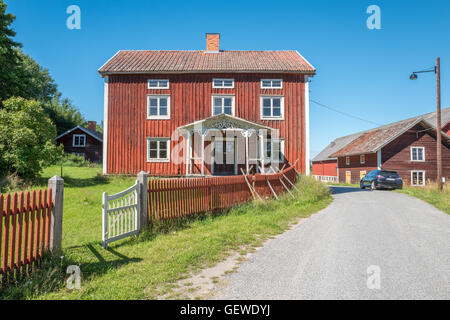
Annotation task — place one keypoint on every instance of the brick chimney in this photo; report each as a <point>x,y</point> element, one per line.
<point>212,42</point>
<point>92,125</point>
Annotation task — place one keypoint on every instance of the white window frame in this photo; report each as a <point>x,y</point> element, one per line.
<point>158,117</point>
<point>222,86</point>
<point>159,140</point>
<point>222,96</point>
<point>261,107</point>
<point>158,87</point>
<point>423,178</point>
<point>79,145</point>
<point>272,158</point>
<point>271,84</point>
<point>362,159</point>
<point>347,161</point>
<point>423,154</point>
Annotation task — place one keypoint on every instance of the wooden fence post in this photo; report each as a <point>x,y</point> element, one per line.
<point>143,181</point>
<point>57,185</point>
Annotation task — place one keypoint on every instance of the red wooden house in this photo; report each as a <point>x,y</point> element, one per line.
<point>85,142</point>
<point>408,147</point>
<point>205,112</point>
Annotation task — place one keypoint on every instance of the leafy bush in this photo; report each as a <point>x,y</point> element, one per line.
<point>73,160</point>
<point>26,138</point>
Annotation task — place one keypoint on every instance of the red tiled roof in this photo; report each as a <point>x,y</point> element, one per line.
<point>149,61</point>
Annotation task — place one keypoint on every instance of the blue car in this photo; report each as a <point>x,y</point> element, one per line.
<point>381,179</point>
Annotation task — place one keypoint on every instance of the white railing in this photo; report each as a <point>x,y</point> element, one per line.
<point>121,215</point>
<point>326,178</point>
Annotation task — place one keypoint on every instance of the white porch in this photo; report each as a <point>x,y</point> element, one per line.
<point>225,145</point>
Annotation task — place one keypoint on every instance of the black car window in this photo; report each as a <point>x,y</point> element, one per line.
<point>390,174</point>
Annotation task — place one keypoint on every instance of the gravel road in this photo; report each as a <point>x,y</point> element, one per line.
<point>365,245</point>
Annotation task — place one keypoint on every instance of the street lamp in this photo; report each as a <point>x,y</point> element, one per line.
<point>437,71</point>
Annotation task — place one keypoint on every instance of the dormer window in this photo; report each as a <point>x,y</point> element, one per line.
<point>271,83</point>
<point>158,84</point>
<point>223,83</point>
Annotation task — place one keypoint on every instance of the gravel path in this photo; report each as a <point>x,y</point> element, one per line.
<point>337,253</point>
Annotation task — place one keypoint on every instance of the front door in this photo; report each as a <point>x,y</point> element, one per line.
<point>224,157</point>
<point>348,177</point>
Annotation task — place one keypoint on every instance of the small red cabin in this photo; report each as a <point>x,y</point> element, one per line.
<point>85,142</point>
<point>206,112</point>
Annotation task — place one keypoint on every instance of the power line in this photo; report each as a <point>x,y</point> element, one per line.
<point>344,113</point>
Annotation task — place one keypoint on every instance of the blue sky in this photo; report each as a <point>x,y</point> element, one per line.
<point>359,71</point>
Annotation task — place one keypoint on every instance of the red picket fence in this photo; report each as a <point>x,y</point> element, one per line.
<point>175,198</point>
<point>25,221</point>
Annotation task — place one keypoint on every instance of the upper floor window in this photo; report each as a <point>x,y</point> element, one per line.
<point>272,108</point>
<point>347,161</point>
<point>158,84</point>
<point>158,107</point>
<point>79,140</point>
<point>271,83</point>
<point>158,149</point>
<point>417,154</point>
<point>362,158</point>
<point>222,104</point>
<point>223,83</point>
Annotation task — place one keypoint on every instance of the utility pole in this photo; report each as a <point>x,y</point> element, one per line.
<point>438,124</point>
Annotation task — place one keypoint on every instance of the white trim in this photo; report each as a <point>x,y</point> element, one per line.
<point>222,79</point>
<point>158,88</point>
<point>423,178</point>
<point>307,145</point>
<point>79,136</point>
<point>347,163</point>
<point>379,159</point>
<point>222,96</point>
<point>158,117</point>
<point>149,139</point>
<point>423,153</point>
<point>105,125</point>
<point>271,84</point>
<point>262,117</point>
<point>362,159</point>
<point>82,129</point>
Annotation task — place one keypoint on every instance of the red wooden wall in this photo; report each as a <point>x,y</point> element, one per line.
<point>356,166</point>
<point>325,168</point>
<point>93,150</point>
<point>190,100</point>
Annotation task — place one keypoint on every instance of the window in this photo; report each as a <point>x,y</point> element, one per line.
<point>417,178</point>
<point>158,84</point>
<point>158,107</point>
<point>347,161</point>
<point>271,83</point>
<point>272,108</point>
<point>222,104</point>
<point>79,140</point>
<point>362,158</point>
<point>417,154</point>
<point>223,83</point>
<point>158,149</point>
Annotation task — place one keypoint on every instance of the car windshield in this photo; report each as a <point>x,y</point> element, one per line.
<point>389,174</point>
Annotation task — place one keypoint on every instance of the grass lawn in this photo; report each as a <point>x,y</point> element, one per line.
<point>147,266</point>
<point>430,194</point>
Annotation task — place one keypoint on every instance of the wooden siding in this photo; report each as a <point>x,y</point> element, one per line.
<point>325,168</point>
<point>190,100</point>
<point>93,150</point>
<point>355,166</point>
<point>397,155</point>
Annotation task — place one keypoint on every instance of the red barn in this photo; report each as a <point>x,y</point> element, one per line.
<point>407,146</point>
<point>205,112</point>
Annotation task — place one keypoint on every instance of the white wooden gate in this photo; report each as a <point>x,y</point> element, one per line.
<point>121,214</point>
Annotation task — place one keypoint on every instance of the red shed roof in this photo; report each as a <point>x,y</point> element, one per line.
<point>159,61</point>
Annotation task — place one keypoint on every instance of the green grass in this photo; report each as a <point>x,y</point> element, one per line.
<point>430,194</point>
<point>148,266</point>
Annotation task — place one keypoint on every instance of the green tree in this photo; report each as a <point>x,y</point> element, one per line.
<point>26,138</point>
<point>64,114</point>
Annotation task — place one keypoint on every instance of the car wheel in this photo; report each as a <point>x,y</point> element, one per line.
<point>361,185</point>
<point>373,186</point>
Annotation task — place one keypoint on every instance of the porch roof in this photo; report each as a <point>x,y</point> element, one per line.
<point>221,122</point>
